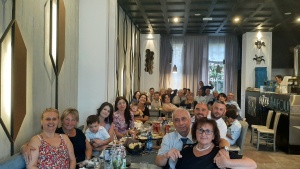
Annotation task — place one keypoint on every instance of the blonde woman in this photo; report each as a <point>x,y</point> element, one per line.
<point>54,150</point>
<point>69,120</point>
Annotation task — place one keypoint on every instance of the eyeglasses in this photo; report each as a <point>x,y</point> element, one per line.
<point>207,132</point>
<point>120,103</point>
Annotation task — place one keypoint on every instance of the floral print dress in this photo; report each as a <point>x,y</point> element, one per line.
<point>51,157</point>
<point>120,123</point>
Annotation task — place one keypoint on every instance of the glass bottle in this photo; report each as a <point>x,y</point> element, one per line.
<point>149,141</point>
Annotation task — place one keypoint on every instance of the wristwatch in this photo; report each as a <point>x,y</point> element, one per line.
<point>226,148</point>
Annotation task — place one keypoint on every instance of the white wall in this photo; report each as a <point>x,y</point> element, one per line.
<point>150,80</point>
<point>249,50</point>
<point>283,72</point>
<point>30,16</point>
<point>97,44</point>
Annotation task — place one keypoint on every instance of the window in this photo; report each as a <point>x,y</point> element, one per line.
<point>216,56</point>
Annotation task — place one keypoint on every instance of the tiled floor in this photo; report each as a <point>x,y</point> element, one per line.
<point>267,159</point>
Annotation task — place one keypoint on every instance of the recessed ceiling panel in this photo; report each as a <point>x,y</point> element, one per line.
<point>254,14</point>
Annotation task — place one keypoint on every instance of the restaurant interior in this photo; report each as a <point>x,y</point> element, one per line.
<point>81,53</point>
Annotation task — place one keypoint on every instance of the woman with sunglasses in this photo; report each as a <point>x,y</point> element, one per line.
<point>205,152</point>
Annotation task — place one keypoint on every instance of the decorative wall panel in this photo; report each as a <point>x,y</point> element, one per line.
<point>19,74</point>
<point>128,54</point>
<point>61,34</point>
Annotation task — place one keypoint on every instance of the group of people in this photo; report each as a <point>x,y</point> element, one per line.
<point>70,145</point>
<point>168,100</point>
<point>67,145</point>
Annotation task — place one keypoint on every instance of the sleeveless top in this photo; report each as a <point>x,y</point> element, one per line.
<point>51,157</point>
<point>107,127</point>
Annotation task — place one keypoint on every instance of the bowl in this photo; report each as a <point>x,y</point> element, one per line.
<point>136,151</point>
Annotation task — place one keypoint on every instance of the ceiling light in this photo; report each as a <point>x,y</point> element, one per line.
<point>259,35</point>
<point>236,19</point>
<point>298,20</point>
<point>197,14</point>
<point>176,19</point>
<point>174,70</point>
<point>150,36</point>
<point>207,19</point>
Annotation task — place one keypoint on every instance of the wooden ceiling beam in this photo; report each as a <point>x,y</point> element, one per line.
<point>257,10</point>
<point>164,9</point>
<point>229,15</point>
<point>142,10</point>
<point>211,8</point>
<point>186,15</point>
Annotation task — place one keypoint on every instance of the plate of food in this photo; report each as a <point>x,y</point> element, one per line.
<point>135,148</point>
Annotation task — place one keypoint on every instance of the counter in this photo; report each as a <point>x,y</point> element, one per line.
<point>259,103</point>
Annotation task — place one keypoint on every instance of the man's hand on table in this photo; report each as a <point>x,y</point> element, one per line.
<point>173,154</point>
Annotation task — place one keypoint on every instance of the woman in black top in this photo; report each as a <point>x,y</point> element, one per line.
<point>205,154</point>
<point>142,106</point>
<point>69,120</point>
<point>189,102</point>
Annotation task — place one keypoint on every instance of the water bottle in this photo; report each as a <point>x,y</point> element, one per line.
<point>149,144</point>
<point>108,154</point>
<point>116,158</point>
<point>123,157</point>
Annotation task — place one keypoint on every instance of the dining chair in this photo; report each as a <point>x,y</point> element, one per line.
<point>239,144</point>
<point>267,126</point>
<point>271,133</point>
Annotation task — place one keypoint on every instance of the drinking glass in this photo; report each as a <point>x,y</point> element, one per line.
<point>128,160</point>
<point>117,163</point>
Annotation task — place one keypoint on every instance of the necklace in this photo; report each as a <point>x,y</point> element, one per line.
<point>203,149</point>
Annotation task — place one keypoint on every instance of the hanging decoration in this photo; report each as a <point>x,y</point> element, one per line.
<point>149,58</point>
<point>258,59</point>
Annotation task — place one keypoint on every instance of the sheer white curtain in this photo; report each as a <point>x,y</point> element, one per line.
<point>195,63</point>
<point>164,62</point>
<point>177,58</point>
<point>231,64</point>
